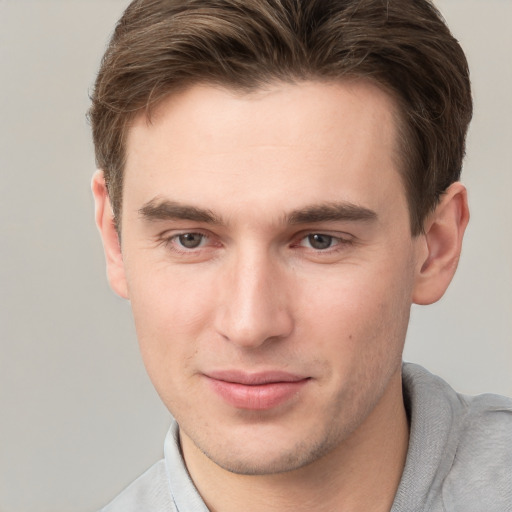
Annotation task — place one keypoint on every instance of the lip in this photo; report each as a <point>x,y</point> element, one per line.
<point>255,391</point>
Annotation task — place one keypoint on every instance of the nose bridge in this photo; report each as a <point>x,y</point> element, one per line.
<point>255,306</point>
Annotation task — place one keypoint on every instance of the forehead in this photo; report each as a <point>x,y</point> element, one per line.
<point>274,148</point>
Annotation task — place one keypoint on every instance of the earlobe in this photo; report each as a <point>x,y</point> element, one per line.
<point>109,235</point>
<point>442,240</point>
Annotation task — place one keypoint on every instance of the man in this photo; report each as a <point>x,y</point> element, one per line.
<point>278,184</point>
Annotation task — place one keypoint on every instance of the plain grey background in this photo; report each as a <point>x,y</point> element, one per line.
<point>80,419</point>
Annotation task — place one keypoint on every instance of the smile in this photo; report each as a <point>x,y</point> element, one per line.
<point>258,391</point>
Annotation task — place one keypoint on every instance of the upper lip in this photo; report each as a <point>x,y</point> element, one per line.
<point>254,378</point>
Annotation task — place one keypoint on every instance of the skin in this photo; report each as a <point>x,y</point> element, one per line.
<point>254,179</point>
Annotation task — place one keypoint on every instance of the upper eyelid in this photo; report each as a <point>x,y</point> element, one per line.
<point>338,239</point>
<point>177,235</point>
<point>171,233</point>
<point>341,235</point>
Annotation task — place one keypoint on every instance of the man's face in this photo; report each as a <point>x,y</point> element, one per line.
<point>269,263</point>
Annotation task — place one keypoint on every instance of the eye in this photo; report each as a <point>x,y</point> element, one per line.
<point>190,240</point>
<point>189,246</point>
<point>319,241</point>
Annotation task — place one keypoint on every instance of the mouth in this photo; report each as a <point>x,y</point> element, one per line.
<point>255,391</point>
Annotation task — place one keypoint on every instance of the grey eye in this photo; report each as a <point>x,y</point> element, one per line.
<point>190,240</point>
<point>319,241</point>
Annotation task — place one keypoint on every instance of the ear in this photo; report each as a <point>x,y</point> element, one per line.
<point>442,243</point>
<point>111,245</point>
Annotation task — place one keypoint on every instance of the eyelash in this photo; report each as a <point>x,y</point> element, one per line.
<point>169,242</point>
<point>340,244</point>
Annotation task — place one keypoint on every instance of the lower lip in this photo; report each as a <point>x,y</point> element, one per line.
<point>257,397</point>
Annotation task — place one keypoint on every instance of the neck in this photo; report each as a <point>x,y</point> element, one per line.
<point>360,474</point>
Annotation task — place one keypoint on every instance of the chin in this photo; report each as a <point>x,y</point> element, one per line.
<point>261,457</point>
<point>261,465</point>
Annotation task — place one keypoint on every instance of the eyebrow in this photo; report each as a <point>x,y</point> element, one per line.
<point>162,209</point>
<point>325,212</point>
<point>156,209</point>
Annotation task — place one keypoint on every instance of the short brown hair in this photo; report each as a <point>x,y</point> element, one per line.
<point>160,46</point>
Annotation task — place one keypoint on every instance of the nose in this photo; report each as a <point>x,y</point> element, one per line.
<point>254,306</point>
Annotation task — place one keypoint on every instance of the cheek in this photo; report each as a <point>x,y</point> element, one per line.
<point>359,328</point>
<point>358,315</point>
<point>165,299</point>
<point>170,313</point>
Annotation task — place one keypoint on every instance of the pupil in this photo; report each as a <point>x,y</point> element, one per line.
<point>320,241</point>
<point>190,240</point>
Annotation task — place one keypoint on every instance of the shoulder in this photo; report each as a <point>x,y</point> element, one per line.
<point>460,448</point>
<point>150,492</point>
<point>487,433</point>
<point>483,459</point>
